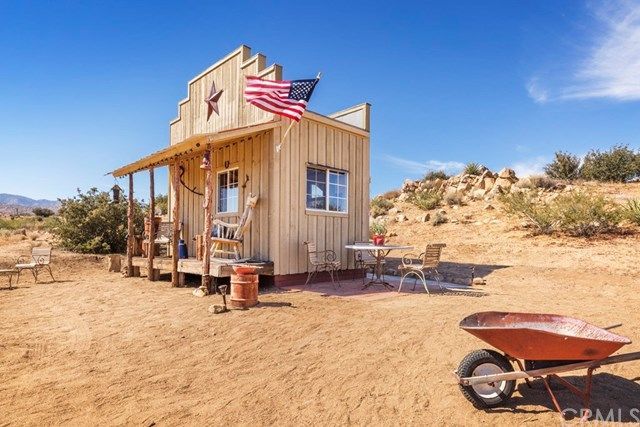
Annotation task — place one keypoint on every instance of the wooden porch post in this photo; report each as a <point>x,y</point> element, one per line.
<point>206,262</point>
<point>130,237</point>
<point>151,274</point>
<point>175,212</point>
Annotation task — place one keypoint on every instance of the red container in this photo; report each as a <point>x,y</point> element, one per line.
<point>378,240</point>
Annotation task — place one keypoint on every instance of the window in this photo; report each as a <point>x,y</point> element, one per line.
<point>326,189</point>
<point>228,191</point>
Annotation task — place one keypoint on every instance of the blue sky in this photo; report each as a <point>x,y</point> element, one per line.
<point>88,86</point>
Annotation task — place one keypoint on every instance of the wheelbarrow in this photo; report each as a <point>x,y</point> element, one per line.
<point>542,346</point>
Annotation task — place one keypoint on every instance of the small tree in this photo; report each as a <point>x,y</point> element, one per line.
<point>42,212</point>
<point>618,164</point>
<point>91,223</point>
<point>564,166</point>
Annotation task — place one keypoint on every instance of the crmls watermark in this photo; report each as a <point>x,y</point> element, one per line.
<point>607,416</point>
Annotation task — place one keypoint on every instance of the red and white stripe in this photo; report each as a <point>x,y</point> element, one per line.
<point>273,96</point>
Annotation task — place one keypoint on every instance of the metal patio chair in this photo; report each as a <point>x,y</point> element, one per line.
<point>322,261</point>
<point>429,261</point>
<point>365,261</point>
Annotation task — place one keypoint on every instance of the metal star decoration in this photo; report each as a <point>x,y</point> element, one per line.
<point>212,100</point>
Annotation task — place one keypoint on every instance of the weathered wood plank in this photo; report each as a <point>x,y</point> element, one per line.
<point>152,227</point>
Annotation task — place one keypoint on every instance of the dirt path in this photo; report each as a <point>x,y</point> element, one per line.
<point>97,348</point>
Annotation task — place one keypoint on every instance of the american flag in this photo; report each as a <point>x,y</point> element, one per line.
<point>287,98</point>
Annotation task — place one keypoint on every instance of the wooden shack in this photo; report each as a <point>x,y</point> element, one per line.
<point>315,189</point>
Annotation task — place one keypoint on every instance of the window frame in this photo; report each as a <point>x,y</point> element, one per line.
<point>227,171</point>
<point>328,170</point>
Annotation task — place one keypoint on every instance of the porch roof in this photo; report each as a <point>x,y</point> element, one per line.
<point>192,144</point>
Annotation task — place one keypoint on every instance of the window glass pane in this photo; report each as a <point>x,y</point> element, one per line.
<point>333,190</point>
<point>333,177</point>
<point>342,205</point>
<point>342,178</point>
<point>228,191</point>
<point>342,192</point>
<point>333,204</point>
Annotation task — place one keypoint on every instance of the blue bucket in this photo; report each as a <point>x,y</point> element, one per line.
<point>183,253</point>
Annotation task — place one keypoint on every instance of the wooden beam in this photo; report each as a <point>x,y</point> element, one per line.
<point>130,236</point>
<point>151,275</point>
<point>175,217</point>
<point>205,287</point>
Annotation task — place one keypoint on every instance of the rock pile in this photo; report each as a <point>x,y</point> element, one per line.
<point>485,185</point>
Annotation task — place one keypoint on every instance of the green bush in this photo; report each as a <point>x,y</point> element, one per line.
<point>619,164</point>
<point>380,206</point>
<point>473,168</point>
<point>433,175</point>
<point>92,223</point>
<point>526,205</point>
<point>583,215</point>
<point>43,212</point>
<point>565,166</point>
<point>632,211</point>
<point>28,222</point>
<point>426,200</point>
<point>576,214</point>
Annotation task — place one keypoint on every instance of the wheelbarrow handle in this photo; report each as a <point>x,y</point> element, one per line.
<point>615,325</point>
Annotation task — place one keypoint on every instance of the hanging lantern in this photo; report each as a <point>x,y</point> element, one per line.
<point>116,192</point>
<point>206,161</point>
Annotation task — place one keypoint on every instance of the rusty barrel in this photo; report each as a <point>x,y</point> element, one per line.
<point>244,290</point>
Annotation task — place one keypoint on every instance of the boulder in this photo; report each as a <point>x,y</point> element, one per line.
<point>504,183</point>
<point>423,218</point>
<point>394,211</point>
<point>403,197</point>
<point>507,173</point>
<point>401,218</point>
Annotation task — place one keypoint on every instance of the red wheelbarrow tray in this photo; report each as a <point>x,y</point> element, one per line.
<point>533,336</point>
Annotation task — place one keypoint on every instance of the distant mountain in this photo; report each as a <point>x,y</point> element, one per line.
<point>11,203</point>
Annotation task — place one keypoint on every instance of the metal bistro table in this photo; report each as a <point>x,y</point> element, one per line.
<point>379,252</point>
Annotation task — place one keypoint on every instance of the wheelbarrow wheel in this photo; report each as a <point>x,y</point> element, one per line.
<point>486,362</point>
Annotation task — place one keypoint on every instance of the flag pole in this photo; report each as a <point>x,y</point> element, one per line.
<point>279,146</point>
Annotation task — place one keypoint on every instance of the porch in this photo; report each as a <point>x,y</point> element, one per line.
<point>218,267</point>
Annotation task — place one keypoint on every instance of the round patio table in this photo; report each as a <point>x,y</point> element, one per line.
<point>379,252</point>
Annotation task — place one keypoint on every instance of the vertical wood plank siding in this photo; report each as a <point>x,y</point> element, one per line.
<point>281,222</point>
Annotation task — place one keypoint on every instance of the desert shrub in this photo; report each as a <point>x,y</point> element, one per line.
<point>42,212</point>
<point>91,223</point>
<point>576,214</point>
<point>542,181</point>
<point>453,199</point>
<point>426,200</point>
<point>632,211</point>
<point>526,205</point>
<point>27,222</point>
<point>473,168</point>
<point>390,195</point>
<point>618,164</point>
<point>438,218</point>
<point>433,175</point>
<point>380,206</point>
<point>564,166</point>
<point>584,215</point>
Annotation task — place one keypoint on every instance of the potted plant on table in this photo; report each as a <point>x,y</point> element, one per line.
<point>378,230</point>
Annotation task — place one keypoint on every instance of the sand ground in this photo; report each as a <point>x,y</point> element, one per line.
<point>94,347</point>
